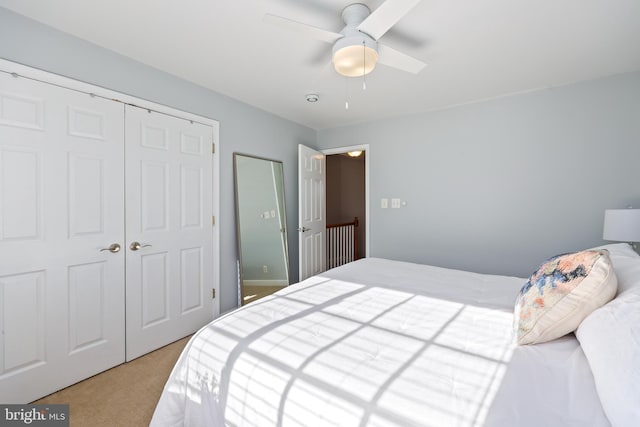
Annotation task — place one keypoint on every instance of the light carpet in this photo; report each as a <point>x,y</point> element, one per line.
<point>122,396</point>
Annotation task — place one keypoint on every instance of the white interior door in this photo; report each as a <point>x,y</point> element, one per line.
<point>61,204</point>
<point>169,192</point>
<point>312,221</point>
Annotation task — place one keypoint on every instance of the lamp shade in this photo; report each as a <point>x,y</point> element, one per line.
<point>622,225</point>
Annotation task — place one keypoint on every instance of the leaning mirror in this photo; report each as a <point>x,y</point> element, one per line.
<point>261,226</point>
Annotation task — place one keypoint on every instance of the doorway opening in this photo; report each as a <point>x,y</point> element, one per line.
<point>347,207</point>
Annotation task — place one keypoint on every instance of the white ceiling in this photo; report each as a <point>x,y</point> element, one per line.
<point>474,49</point>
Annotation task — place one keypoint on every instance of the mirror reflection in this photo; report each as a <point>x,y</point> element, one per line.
<point>261,226</point>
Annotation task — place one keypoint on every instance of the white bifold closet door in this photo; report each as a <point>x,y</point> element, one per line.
<point>61,203</point>
<point>169,189</point>
<point>89,186</point>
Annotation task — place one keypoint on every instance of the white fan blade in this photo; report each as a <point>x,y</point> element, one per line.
<point>393,58</point>
<point>386,16</point>
<point>308,30</point>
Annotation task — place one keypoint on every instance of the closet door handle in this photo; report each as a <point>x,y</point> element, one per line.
<point>134,246</point>
<point>113,248</point>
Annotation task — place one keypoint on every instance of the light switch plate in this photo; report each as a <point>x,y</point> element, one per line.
<point>395,203</point>
<point>384,203</point>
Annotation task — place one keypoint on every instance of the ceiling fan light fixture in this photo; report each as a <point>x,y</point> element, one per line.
<point>355,56</point>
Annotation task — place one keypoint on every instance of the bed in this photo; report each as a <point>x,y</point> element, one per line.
<point>387,343</point>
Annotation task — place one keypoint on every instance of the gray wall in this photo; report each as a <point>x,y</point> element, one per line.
<point>242,128</point>
<point>501,185</point>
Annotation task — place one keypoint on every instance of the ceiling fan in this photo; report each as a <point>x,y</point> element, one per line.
<point>356,49</point>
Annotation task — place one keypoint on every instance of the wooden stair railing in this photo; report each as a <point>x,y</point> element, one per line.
<point>342,243</point>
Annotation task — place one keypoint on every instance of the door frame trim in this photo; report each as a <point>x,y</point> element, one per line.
<point>367,149</point>
<point>19,70</point>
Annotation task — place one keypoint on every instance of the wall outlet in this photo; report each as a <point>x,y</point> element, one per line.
<point>265,269</point>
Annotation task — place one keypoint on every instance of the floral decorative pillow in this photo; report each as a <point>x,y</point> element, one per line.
<point>561,293</point>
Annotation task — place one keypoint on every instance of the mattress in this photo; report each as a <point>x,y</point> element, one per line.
<point>379,343</point>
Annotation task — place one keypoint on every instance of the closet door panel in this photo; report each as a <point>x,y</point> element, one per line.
<point>22,303</point>
<point>169,194</point>
<point>153,207</point>
<point>86,306</point>
<point>191,280</point>
<point>87,198</point>
<point>61,202</point>
<point>21,214</point>
<point>154,283</point>
<point>191,215</point>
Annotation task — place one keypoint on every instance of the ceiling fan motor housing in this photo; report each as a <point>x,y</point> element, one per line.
<point>356,53</point>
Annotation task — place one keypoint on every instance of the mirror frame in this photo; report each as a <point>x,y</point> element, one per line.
<point>285,236</point>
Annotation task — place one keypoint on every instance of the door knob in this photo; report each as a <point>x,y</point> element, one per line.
<point>134,246</point>
<point>303,229</point>
<point>113,248</point>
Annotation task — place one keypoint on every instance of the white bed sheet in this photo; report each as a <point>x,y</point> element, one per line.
<point>379,343</point>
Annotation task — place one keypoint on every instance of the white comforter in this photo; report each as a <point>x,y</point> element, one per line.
<point>379,343</point>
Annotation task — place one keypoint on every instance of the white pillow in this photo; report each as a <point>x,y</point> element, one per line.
<point>610,339</point>
<point>626,263</point>
<point>561,293</point>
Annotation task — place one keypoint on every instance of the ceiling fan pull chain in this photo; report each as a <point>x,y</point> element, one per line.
<point>364,66</point>
<point>346,93</point>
